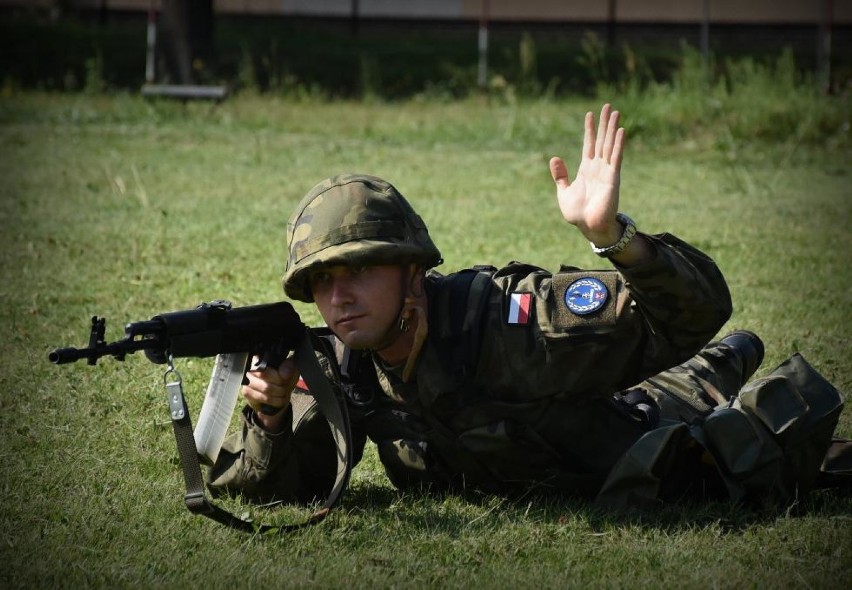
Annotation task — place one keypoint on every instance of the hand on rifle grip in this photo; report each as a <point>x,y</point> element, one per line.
<point>268,391</point>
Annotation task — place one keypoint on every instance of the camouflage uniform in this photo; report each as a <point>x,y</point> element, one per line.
<point>551,397</point>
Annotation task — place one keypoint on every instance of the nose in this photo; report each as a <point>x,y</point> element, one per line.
<point>341,291</point>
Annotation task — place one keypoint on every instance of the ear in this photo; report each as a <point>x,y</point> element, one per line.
<point>415,275</point>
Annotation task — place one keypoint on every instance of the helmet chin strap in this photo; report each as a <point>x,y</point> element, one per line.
<point>408,310</point>
<point>419,333</point>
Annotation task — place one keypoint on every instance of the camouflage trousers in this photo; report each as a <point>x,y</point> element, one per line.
<point>690,391</point>
<point>719,437</point>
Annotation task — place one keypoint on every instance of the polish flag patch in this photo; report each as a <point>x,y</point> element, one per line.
<point>519,309</point>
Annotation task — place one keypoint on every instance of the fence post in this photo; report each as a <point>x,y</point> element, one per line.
<point>482,71</point>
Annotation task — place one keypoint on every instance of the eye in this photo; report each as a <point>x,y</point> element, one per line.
<point>319,277</point>
<point>358,270</point>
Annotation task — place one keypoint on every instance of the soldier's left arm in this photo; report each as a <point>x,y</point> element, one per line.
<point>677,293</point>
<point>597,331</point>
<point>681,296</point>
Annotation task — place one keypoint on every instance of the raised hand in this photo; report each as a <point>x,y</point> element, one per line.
<point>591,201</point>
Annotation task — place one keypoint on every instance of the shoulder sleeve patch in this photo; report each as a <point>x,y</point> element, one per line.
<point>518,308</point>
<point>583,299</point>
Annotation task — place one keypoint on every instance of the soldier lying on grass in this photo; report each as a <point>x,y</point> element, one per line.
<point>603,384</point>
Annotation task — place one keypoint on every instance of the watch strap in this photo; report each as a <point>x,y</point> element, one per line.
<point>621,244</point>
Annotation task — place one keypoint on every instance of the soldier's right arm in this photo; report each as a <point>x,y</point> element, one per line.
<point>271,388</point>
<point>290,456</point>
<point>297,464</point>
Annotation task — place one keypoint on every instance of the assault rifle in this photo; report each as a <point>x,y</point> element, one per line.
<point>270,330</point>
<point>234,336</point>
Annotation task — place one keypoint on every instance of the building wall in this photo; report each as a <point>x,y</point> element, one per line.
<point>622,11</point>
<point>673,11</point>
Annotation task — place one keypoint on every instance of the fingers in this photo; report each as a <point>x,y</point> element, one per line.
<point>607,143</point>
<point>589,136</point>
<point>602,127</point>
<point>259,391</point>
<point>609,140</point>
<point>559,172</point>
<point>288,372</point>
<point>271,386</point>
<point>618,149</point>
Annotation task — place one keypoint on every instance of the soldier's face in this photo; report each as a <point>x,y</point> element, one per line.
<point>359,304</point>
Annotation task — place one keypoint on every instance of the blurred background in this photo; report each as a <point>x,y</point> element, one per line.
<point>394,49</point>
<point>116,204</point>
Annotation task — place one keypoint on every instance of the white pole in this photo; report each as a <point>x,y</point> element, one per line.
<point>705,34</point>
<point>482,74</point>
<point>150,56</point>
<point>824,45</point>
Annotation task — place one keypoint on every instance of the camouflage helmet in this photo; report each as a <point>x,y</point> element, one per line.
<point>353,219</point>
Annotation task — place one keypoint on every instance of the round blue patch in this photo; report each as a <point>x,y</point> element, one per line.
<point>585,296</point>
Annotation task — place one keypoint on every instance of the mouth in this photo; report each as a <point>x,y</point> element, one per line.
<point>347,321</point>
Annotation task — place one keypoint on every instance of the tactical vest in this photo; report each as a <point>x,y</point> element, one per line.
<point>456,313</point>
<point>496,446</point>
<point>767,443</point>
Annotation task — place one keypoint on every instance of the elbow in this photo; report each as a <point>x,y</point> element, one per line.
<point>725,308</point>
<point>724,304</point>
<point>708,319</point>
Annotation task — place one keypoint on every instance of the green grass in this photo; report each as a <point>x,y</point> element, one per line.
<point>124,208</point>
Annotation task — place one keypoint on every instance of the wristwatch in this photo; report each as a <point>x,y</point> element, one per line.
<point>621,244</point>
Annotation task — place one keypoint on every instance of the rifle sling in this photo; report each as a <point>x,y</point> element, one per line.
<point>333,410</point>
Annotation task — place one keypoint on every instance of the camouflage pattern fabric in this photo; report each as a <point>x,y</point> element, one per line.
<point>531,404</point>
<point>536,407</point>
<point>353,219</point>
<point>525,388</point>
<point>767,442</point>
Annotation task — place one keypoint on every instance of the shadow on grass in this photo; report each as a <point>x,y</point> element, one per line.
<point>451,514</point>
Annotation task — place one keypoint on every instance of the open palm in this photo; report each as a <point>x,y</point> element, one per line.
<point>591,201</point>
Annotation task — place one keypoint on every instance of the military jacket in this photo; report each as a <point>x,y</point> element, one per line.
<point>513,388</point>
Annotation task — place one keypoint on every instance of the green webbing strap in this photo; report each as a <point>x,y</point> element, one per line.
<point>333,410</point>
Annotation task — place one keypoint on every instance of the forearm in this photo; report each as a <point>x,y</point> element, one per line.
<point>681,293</point>
<point>293,466</point>
<point>638,252</point>
<point>620,243</point>
<point>274,423</point>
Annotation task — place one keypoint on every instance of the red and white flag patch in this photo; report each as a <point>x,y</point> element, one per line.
<point>519,309</point>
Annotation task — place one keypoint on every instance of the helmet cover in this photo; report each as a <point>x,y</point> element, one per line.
<point>353,220</point>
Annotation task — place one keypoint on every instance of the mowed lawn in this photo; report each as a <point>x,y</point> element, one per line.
<point>124,208</point>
